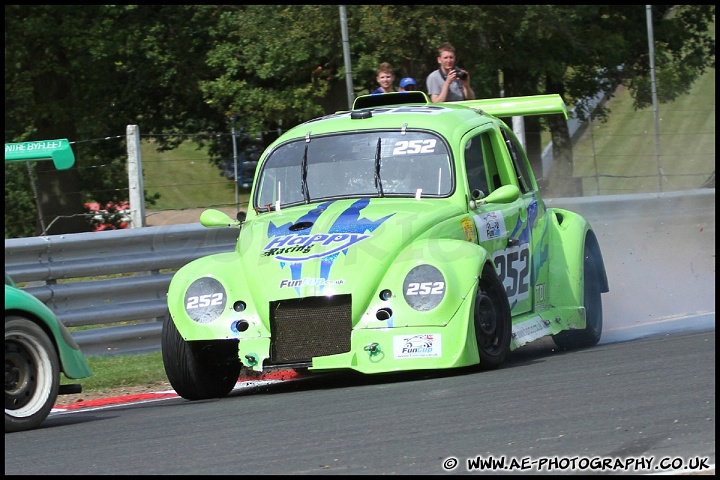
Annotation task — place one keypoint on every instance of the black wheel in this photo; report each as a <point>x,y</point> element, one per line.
<point>201,369</point>
<point>590,335</point>
<point>32,374</point>
<point>493,320</point>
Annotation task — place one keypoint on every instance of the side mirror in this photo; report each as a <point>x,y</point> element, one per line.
<point>504,194</point>
<point>216,218</point>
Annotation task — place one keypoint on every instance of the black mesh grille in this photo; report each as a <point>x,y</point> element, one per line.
<point>309,327</point>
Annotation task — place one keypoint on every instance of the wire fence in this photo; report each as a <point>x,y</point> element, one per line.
<point>633,159</point>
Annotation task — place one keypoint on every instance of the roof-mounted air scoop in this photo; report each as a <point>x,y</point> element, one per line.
<point>390,98</point>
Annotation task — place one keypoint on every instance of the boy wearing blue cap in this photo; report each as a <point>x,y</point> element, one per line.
<point>407,84</point>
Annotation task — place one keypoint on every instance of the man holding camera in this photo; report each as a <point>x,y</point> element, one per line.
<point>449,83</point>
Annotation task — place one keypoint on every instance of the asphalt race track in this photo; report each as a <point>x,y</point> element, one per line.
<point>642,401</point>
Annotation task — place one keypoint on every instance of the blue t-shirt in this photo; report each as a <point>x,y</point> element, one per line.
<point>379,90</point>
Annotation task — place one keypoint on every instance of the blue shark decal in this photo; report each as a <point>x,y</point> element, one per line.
<point>349,229</point>
<point>540,255</point>
<point>522,231</point>
<point>524,236</point>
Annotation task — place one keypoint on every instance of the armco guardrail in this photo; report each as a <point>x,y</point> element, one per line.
<point>65,272</point>
<point>145,252</point>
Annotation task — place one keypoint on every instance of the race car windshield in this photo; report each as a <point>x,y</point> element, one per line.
<point>366,164</point>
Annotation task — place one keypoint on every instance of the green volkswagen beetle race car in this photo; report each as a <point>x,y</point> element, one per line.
<point>38,350</point>
<point>400,235</point>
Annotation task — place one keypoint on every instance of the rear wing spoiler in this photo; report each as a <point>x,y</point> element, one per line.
<point>498,107</point>
<point>519,106</point>
<point>58,151</point>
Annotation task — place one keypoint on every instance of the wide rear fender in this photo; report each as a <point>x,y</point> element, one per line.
<point>569,233</point>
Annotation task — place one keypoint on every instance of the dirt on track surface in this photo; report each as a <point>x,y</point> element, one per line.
<point>113,393</point>
<point>126,393</point>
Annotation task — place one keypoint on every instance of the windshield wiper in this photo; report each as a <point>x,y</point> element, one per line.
<point>305,192</point>
<point>378,181</point>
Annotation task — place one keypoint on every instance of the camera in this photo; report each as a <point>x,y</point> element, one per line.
<point>460,74</point>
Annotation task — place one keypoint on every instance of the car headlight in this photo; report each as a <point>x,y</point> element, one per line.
<point>424,287</point>
<point>205,300</point>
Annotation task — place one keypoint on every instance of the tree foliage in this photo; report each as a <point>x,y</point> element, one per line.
<point>198,71</point>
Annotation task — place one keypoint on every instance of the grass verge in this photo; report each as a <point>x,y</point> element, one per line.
<point>122,371</point>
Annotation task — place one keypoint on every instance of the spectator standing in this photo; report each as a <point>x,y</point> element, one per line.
<point>385,78</point>
<point>407,84</point>
<point>449,83</point>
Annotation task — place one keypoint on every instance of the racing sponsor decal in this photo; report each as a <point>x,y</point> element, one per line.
<point>530,330</point>
<point>424,287</point>
<point>432,109</point>
<point>308,281</point>
<point>490,225</point>
<point>417,346</point>
<point>540,296</point>
<point>279,246</point>
<point>349,229</point>
<point>469,229</point>
<point>513,264</point>
<point>513,268</point>
<point>414,147</point>
<point>205,300</point>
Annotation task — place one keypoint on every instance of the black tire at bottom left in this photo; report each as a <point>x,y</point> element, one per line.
<point>199,370</point>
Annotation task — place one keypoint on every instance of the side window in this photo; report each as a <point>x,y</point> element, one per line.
<point>475,165</point>
<point>519,162</point>
<point>492,172</point>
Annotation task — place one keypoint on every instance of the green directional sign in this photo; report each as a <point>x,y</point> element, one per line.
<point>58,151</point>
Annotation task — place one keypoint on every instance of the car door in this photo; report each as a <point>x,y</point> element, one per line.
<point>504,229</point>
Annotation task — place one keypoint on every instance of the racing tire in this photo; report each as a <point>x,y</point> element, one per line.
<point>492,320</point>
<point>199,370</point>
<point>590,335</point>
<point>32,374</point>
